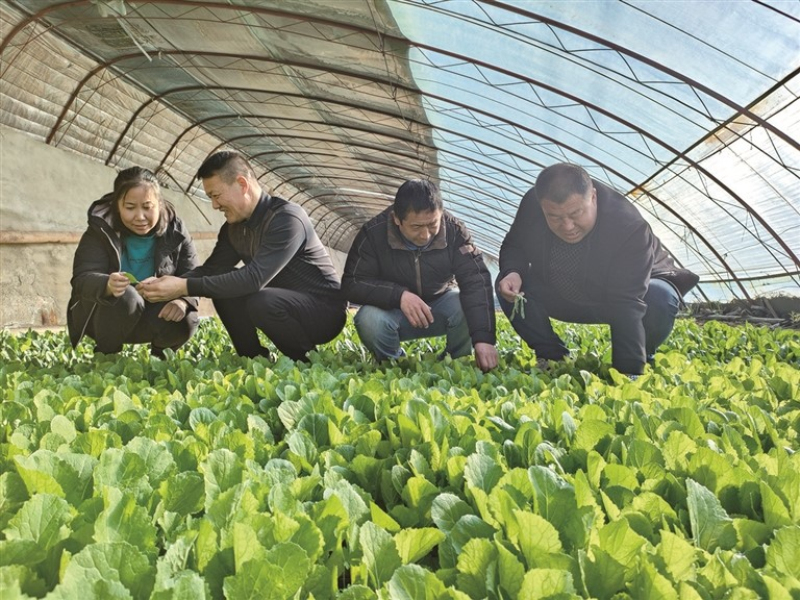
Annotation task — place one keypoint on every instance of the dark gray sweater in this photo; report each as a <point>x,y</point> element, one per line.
<point>278,248</point>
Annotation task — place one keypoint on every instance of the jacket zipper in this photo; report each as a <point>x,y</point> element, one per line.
<point>94,305</point>
<point>417,255</point>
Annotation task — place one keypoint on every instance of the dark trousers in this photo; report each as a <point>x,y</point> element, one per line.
<point>132,320</point>
<point>294,321</point>
<point>662,300</point>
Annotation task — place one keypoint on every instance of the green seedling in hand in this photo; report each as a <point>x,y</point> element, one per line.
<point>131,278</point>
<point>519,306</point>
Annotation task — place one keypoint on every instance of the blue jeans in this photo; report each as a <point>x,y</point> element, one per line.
<point>662,300</point>
<point>381,330</point>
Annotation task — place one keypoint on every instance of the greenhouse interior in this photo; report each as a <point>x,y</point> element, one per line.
<point>201,471</point>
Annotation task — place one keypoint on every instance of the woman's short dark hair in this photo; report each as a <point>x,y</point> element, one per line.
<point>132,178</point>
<point>558,182</point>
<point>416,195</point>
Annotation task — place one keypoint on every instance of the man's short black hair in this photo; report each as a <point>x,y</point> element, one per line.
<point>227,164</point>
<point>558,182</point>
<point>416,195</point>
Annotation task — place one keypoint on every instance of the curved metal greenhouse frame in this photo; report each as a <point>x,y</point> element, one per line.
<point>690,108</point>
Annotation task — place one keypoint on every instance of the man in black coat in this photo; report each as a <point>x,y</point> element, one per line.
<point>287,287</point>
<point>579,252</point>
<point>417,274</point>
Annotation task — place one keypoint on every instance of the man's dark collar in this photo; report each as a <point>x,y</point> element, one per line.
<point>254,220</point>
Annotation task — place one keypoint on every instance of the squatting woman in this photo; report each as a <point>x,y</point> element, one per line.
<point>133,234</point>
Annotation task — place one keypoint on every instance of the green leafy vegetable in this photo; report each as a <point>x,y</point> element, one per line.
<point>519,306</point>
<point>209,475</point>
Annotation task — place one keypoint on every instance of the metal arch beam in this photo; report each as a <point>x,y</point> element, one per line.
<point>207,4</point>
<point>386,151</point>
<point>227,6</point>
<point>579,101</point>
<point>527,14</point>
<point>608,168</point>
<point>372,172</point>
<point>334,231</point>
<point>322,99</point>
<point>743,110</point>
<point>232,116</point>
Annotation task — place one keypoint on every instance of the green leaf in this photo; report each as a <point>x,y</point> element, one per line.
<point>62,426</point>
<point>447,509</point>
<point>380,553</point>
<point>41,473</point>
<point>125,521</point>
<point>316,426</point>
<point>482,472</point>
<point>278,576</point>
<point>477,568</point>
<point>186,585</point>
<point>183,493</point>
<point>602,574</point>
<point>13,494</point>
<point>412,582</point>
<point>158,461</point>
<point>678,556</point>
<point>20,583</point>
<point>246,545</point>
<point>131,277</point>
<point>783,554</point>
<point>124,470</point>
<point>357,592</point>
<point>222,471</point>
<point>711,526</point>
<point>414,544</point>
<point>44,519</point>
<point>552,494</point>
<point>107,571</point>
<point>649,583</point>
<point>534,536</point>
<point>776,514</point>
<point>546,583</point>
<point>621,542</point>
<point>308,536</point>
<point>510,570</point>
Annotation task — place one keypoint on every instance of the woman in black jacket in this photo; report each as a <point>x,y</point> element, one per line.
<point>133,234</point>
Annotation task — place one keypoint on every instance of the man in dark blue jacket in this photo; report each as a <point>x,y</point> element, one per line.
<point>580,252</point>
<point>287,288</point>
<point>417,274</point>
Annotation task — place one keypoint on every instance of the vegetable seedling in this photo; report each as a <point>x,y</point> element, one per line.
<point>519,306</point>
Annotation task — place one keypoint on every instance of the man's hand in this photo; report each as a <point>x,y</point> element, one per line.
<point>485,356</point>
<point>117,284</point>
<point>415,310</point>
<point>174,310</point>
<point>162,289</point>
<point>509,286</point>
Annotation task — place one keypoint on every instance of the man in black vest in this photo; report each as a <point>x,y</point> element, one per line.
<point>287,287</point>
<point>579,252</point>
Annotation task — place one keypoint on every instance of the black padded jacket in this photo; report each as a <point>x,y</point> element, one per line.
<point>380,267</point>
<point>623,255</point>
<point>99,254</point>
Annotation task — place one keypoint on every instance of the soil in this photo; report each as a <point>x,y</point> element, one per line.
<point>778,311</point>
